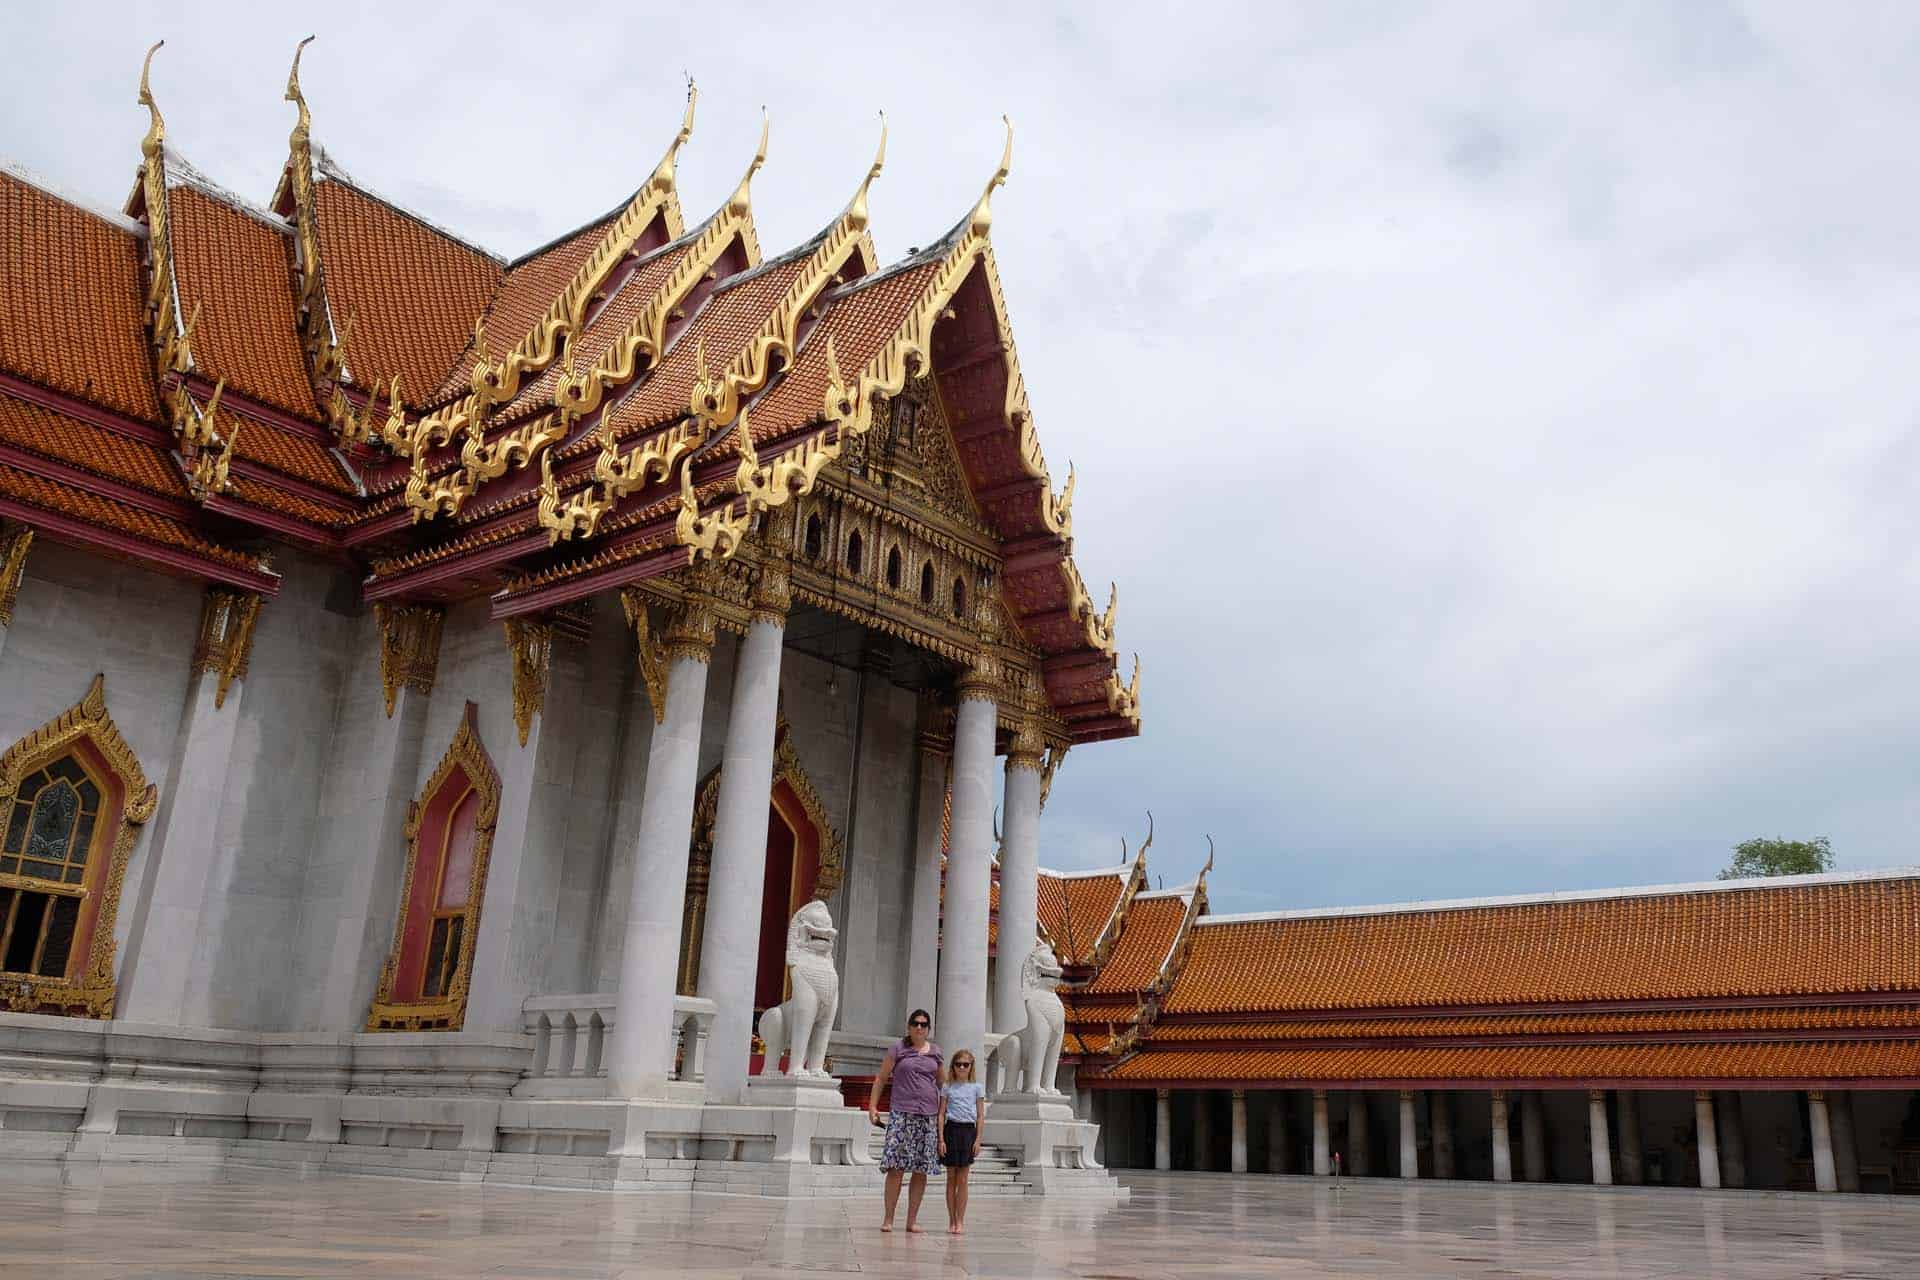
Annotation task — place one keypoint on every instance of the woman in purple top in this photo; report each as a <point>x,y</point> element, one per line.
<point>914,1067</point>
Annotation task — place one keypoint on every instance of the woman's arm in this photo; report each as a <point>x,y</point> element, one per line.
<point>879,1087</point>
<point>979,1115</point>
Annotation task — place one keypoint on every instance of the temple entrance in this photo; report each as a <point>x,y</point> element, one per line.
<point>793,872</point>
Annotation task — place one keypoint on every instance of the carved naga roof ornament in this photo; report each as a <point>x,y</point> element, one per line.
<point>326,350</point>
<point>172,352</point>
<point>497,382</point>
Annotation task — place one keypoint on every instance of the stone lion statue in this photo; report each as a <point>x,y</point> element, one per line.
<point>1046,1025</point>
<point>800,1025</point>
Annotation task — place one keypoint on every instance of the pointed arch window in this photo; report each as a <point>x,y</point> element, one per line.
<point>71,796</point>
<point>893,568</point>
<point>926,584</point>
<point>856,552</point>
<point>449,835</point>
<point>814,539</point>
<point>959,597</point>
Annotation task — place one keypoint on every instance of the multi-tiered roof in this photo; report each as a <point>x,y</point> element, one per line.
<point>196,378</point>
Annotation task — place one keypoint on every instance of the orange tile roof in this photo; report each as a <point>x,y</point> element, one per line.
<point>1648,1063</point>
<point>1075,909</point>
<point>413,291</point>
<point>1779,940</point>
<point>238,270</point>
<point>1175,1031</point>
<point>285,450</point>
<point>72,312</point>
<point>861,320</point>
<point>92,448</point>
<point>1144,944</point>
<point>64,499</point>
<point>278,498</point>
<point>525,292</point>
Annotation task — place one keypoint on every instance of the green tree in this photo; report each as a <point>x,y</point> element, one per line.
<point>1779,858</point>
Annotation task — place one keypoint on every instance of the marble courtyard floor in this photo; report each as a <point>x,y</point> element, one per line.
<point>273,1224</point>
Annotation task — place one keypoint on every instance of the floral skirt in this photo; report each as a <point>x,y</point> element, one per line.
<point>911,1145</point>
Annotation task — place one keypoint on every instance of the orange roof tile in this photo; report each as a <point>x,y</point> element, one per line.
<point>413,291</point>
<point>52,495</point>
<point>1650,1063</point>
<point>72,312</point>
<point>1815,939</point>
<point>1152,927</point>
<point>1175,1031</point>
<point>96,449</point>
<point>237,268</point>
<point>277,498</point>
<point>273,445</point>
<point>1075,909</point>
<point>525,292</point>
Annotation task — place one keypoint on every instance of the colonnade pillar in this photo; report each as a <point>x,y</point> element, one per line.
<point>736,880</point>
<point>923,934</point>
<point>1706,1139</point>
<point>1632,1166</point>
<point>1322,1139</point>
<point>640,1055</point>
<point>1502,1150</point>
<point>1824,1178</point>
<point>1237,1160</point>
<point>1019,885</point>
<point>963,946</point>
<point>1162,1130</point>
<point>1409,1136</point>
<point>1597,1137</point>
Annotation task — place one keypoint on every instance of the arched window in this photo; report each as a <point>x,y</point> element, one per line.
<point>449,834</point>
<point>959,597</point>
<point>926,584</point>
<point>812,544</point>
<point>893,568</point>
<point>856,551</point>
<point>71,794</point>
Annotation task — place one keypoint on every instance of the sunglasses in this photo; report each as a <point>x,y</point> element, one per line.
<point>919,1022</point>
<point>962,1062</point>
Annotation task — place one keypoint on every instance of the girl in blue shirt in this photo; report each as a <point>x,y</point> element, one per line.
<point>963,1105</point>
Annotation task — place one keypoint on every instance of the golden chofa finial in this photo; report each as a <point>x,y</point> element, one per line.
<point>982,213</point>
<point>857,209</point>
<point>305,122</point>
<point>740,203</point>
<point>662,179</point>
<point>156,127</point>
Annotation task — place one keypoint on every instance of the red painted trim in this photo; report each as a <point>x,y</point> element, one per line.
<point>313,536</point>
<point>436,572</point>
<point>611,578</point>
<point>1663,1084</point>
<point>168,559</point>
<point>86,411</point>
<point>1811,1000</point>
<point>294,484</point>
<point>92,482</point>
<point>1741,1035</point>
<point>202,388</point>
<point>383,526</point>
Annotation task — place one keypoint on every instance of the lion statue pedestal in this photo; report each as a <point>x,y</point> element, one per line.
<point>800,1026</point>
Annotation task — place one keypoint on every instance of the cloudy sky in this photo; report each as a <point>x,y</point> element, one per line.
<point>1501,419</point>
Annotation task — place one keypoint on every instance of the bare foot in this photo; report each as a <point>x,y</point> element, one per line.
<point>887,1227</point>
<point>960,1229</point>
<point>913,1229</point>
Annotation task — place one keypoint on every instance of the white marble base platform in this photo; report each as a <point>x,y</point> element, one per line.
<point>1054,1147</point>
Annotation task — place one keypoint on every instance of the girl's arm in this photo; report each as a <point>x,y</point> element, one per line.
<point>979,1115</point>
<point>940,1122</point>
<point>879,1087</point>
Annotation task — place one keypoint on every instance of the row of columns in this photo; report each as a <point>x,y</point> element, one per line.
<point>1719,1148</point>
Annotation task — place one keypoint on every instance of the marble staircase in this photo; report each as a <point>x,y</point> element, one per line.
<point>995,1173</point>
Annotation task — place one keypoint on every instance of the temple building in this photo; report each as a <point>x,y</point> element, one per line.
<point>454,709</point>
<point>1745,1033</point>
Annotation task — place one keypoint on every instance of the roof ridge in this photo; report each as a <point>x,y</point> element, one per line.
<point>1119,873</point>
<point>328,169</point>
<point>1566,895</point>
<point>181,172</point>
<point>32,178</point>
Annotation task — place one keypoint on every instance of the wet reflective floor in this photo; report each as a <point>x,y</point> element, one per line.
<point>263,1223</point>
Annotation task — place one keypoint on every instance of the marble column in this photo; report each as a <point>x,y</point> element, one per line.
<point>1162,1130</point>
<point>1824,1178</point>
<point>1358,1140</point>
<point>640,1052</point>
<point>1440,1127</point>
<point>923,933</point>
<point>15,542</point>
<point>1277,1153</point>
<point>1730,1125</point>
<point>1533,1136</point>
<point>1019,884</point>
<point>1846,1156</point>
<point>963,946</point>
<point>1502,1149</point>
<point>1706,1141</point>
<point>1409,1136</point>
<point>183,846</point>
<point>1633,1170</point>
<point>1238,1156</point>
<point>730,947</point>
<point>1597,1137</point>
<point>1322,1139</point>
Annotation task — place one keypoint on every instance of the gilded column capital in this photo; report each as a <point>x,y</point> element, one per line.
<point>225,642</point>
<point>772,594</point>
<point>981,681</point>
<point>1028,749</point>
<point>1239,1095</point>
<point>530,645</point>
<point>409,647</point>
<point>14,544</point>
<point>690,634</point>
